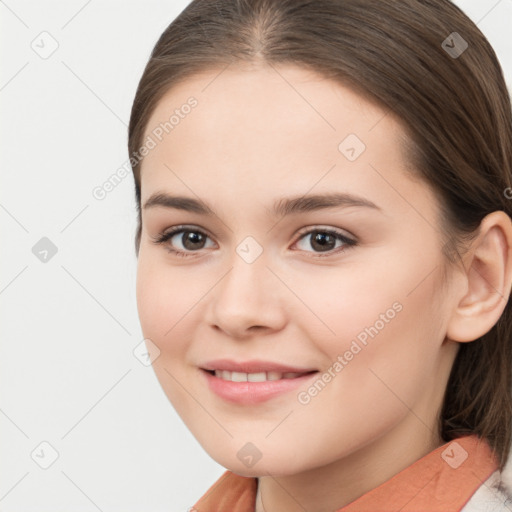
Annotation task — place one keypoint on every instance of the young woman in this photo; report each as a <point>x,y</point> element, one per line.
<point>324,251</point>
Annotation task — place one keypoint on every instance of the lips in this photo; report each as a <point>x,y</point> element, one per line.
<point>254,377</point>
<point>255,381</point>
<point>253,366</point>
<point>252,391</point>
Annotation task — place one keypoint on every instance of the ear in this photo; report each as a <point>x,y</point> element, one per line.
<point>487,280</point>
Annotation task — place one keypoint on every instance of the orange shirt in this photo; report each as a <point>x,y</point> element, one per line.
<point>441,481</point>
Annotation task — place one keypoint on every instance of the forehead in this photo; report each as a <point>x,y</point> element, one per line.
<point>257,125</point>
<point>288,96</point>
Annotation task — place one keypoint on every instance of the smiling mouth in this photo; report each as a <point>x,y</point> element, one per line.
<point>257,376</point>
<point>249,389</point>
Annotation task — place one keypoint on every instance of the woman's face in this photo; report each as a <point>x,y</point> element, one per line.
<point>306,243</point>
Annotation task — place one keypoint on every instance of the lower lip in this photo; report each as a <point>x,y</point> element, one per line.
<point>253,392</point>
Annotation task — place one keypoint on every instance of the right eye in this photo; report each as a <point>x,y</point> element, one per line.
<point>191,240</point>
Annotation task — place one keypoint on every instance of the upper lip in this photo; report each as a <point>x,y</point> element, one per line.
<point>253,366</point>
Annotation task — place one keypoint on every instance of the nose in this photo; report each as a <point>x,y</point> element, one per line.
<point>248,300</point>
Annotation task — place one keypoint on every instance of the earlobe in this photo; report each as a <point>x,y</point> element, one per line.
<point>488,280</point>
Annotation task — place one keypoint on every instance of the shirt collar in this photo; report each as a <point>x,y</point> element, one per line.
<point>444,479</point>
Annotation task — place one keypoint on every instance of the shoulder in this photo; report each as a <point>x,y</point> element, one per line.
<point>494,495</point>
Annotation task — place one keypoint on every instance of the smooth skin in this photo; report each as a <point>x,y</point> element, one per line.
<point>259,134</point>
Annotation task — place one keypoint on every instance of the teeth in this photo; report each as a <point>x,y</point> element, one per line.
<point>254,377</point>
<point>238,377</point>
<point>257,377</point>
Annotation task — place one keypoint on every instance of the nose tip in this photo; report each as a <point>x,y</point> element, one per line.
<point>239,330</point>
<point>246,302</point>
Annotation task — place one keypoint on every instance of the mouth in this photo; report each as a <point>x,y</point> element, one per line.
<point>256,376</point>
<point>253,388</point>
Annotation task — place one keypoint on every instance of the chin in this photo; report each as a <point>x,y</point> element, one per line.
<point>276,468</point>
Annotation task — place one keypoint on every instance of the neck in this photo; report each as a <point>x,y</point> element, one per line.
<point>334,486</point>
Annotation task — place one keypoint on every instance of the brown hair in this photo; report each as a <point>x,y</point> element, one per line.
<point>456,109</point>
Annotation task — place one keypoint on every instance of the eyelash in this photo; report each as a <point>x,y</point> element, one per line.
<point>162,238</point>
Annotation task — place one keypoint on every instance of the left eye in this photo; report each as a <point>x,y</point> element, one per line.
<point>325,240</point>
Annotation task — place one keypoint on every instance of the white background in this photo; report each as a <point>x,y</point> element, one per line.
<point>69,326</point>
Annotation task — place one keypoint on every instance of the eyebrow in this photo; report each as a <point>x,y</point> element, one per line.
<point>282,207</point>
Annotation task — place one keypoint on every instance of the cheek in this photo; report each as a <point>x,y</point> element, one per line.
<point>381,362</point>
<point>163,299</point>
<point>386,328</point>
<point>392,297</point>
